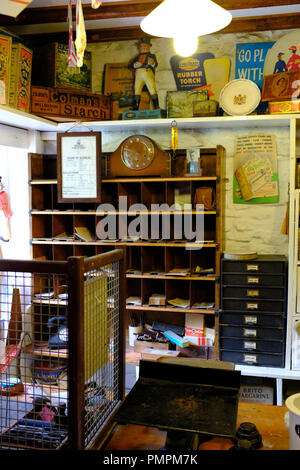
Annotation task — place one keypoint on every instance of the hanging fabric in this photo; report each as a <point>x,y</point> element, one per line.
<point>72,59</point>
<point>5,214</point>
<point>80,41</point>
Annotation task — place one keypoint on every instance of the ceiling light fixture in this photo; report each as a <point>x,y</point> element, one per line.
<point>185,20</point>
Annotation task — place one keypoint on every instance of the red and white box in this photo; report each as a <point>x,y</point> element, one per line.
<point>194,325</point>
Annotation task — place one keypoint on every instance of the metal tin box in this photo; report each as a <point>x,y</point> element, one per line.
<point>181,103</point>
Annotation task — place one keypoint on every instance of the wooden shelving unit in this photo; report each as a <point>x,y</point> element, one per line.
<point>50,219</point>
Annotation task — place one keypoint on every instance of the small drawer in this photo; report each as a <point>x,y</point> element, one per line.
<point>253,305</point>
<point>253,319</point>
<point>253,266</point>
<point>252,344</point>
<point>251,331</point>
<point>255,280</point>
<point>251,292</point>
<point>251,358</point>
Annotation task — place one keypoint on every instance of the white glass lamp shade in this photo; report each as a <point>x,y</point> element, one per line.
<point>174,18</point>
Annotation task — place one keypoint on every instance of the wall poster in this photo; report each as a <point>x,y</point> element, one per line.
<point>78,166</point>
<point>255,179</point>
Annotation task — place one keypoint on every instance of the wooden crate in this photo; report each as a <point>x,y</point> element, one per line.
<point>63,105</point>
<point>50,68</point>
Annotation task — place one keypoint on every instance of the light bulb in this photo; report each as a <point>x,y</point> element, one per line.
<point>185,45</point>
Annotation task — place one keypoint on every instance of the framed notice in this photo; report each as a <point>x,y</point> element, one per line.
<point>79,166</point>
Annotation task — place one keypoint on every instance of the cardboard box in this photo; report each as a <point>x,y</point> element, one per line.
<point>5,57</point>
<point>50,68</point>
<point>200,352</point>
<point>119,84</point>
<point>194,325</point>
<point>141,345</point>
<point>150,354</point>
<point>157,299</point>
<point>181,103</point>
<point>63,105</point>
<point>20,77</point>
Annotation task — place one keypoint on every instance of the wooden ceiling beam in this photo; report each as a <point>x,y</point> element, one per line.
<point>241,25</point>
<point>59,14</point>
<point>127,9</point>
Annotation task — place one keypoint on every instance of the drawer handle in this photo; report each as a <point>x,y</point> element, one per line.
<point>252,267</point>
<point>250,320</point>
<point>249,344</point>
<point>251,306</point>
<point>252,280</point>
<point>252,293</point>
<point>250,358</point>
<point>248,332</point>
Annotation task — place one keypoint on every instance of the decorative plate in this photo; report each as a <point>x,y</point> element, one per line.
<point>239,97</point>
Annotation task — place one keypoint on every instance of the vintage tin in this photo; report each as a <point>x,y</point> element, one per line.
<point>144,114</point>
<point>5,55</point>
<point>63,105</point>
<point>181,103</point>
<point>284,107</point>
<point>20,77</point>
<point>205,108</point>
<point>50,68</point>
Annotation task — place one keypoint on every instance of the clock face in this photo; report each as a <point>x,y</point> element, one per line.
<point>137,152</point>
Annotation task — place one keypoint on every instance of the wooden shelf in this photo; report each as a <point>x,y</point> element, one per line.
<point>254,121</point>
<point>166,277</point>
<point>44,351</point>
<point>146,307</point>
<point>159,179</point>
<point>133,213</point>
<point>145,255</point>
<point>53,302</point>
<point>43,181</point>
<point>51,241</point>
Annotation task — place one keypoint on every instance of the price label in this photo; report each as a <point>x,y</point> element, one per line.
<point>252,267</point>
<point>252,306</point>
<point>250,319</point>
<point>250,358</point>
<point>248,332</point>
<point>252,293</point>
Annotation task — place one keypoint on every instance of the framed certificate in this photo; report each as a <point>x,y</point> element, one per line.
<point>79,167</point>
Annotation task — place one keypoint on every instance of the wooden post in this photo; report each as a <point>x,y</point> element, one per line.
<point>15,323</point>
<point>76,358</point>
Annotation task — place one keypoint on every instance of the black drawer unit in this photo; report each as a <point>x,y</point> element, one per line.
<point>252,318</point>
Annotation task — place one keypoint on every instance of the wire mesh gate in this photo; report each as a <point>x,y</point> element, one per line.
<point>61,350</point>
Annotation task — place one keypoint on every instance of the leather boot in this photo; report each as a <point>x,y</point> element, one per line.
<point>154,99</point>
<point>136,102</point>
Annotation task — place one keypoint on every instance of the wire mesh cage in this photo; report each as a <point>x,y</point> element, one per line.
<point>61,366</point>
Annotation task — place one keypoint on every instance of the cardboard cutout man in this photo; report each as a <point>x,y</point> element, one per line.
<point>144,65</point>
